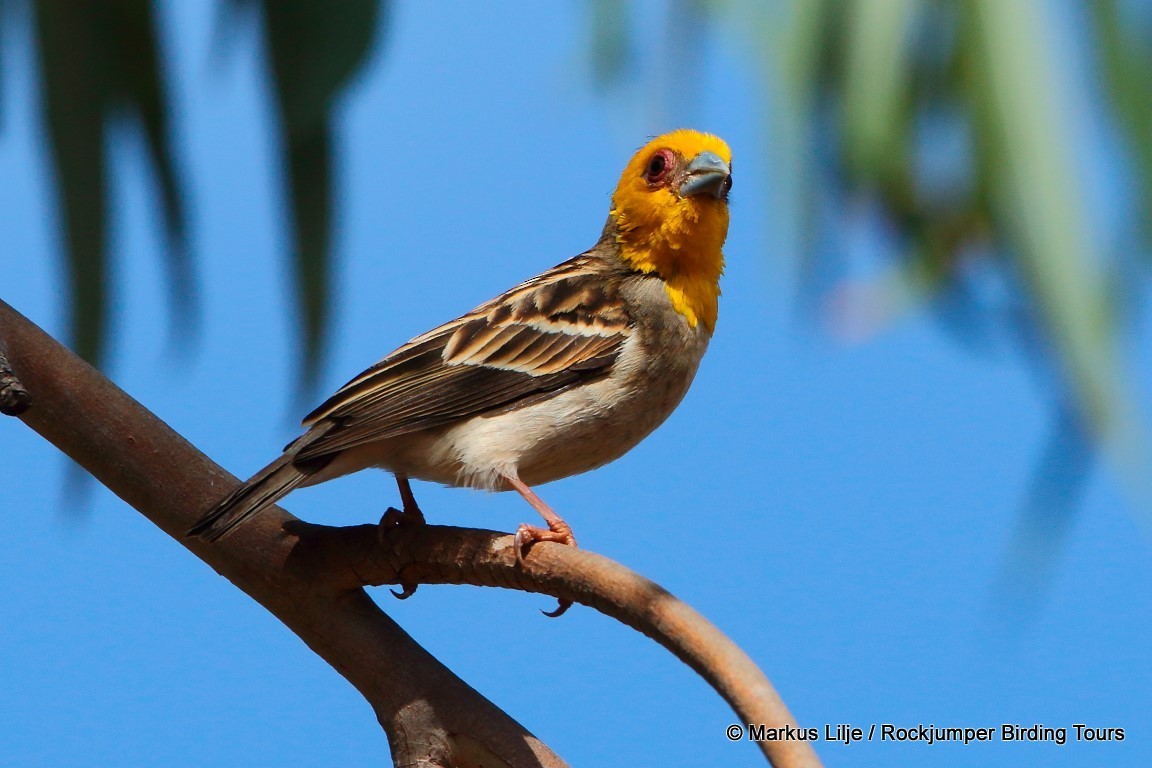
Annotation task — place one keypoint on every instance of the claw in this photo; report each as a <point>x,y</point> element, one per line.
<point>391,518</point>
<point>409,590</point>
<point>562,605</point>
<point>395,518</point>
<point>389,521</point>
<point>527,535</point>
<point>518,545</point>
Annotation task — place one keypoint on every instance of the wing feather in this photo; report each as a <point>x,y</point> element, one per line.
<point>545,335</point>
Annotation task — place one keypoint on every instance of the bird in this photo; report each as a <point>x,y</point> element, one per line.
<point>559,375</point>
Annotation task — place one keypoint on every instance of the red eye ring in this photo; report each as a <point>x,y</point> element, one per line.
<point>659,166</point>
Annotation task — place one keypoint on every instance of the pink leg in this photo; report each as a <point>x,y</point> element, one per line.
<point>411,514</point>
<point>394,518</point>
<point>557,530</point>
<point>411,508</point>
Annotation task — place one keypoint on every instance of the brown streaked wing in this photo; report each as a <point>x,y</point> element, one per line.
<point>547,334</point>
<point>413,356</point>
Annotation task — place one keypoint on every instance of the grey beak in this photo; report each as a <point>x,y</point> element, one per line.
<point>707,174</point>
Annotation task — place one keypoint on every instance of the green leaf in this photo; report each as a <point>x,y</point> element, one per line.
<point>1036,194</point>
<point>876,86</point>
<point>611,42</point>
<point>96,60</point>
<point>315,49</point>
<point>74,91</point>
<point>790,41</point>
<point>136,75</point>
<point>1126,61</point>
<point>310,173</point>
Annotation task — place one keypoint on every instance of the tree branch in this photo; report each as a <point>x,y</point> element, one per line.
<point>14,398</point>
<point>311,577</point>
<point>357,556</point>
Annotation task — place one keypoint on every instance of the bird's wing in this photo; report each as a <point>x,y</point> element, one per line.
<point>561,328</point>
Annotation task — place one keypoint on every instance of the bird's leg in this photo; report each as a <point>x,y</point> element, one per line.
<point>411,514</point>
<point>393,518</point>
<point>526,535</point>
<point>558,530</point>
<point>411,508</point>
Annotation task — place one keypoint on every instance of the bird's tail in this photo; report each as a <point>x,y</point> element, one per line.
<point>264,488</point>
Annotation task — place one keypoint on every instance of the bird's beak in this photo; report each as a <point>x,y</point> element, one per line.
<point>707,174</point>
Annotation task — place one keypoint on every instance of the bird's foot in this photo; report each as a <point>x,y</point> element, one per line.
<point>394,518</point>
<point>407,590</point>
<point>557,531</point>
<point>527,535</point>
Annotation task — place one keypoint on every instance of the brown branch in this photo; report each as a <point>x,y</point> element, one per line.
<point>357,556</point>
<point>311,577</point>
<point>429,714</point>
<point>14,398</point>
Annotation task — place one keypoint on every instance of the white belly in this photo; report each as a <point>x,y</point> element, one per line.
<point>572,432</point>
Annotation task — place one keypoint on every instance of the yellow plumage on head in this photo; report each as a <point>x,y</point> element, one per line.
<point>680,237</point>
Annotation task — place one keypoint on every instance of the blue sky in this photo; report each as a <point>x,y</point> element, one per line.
<point>841,511</point>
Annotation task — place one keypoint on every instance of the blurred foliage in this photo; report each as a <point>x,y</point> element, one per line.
<point>957,136</point>
<point>954,129</point>
<point>610,43</point>
<point>101,63</point>
<point>893,77</point>
<point>315,48</point>
<point>961,128</point>
<point>98,63</point>
<point>1125,62</point>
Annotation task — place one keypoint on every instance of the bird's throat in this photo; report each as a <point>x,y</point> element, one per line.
<point>687,255</point>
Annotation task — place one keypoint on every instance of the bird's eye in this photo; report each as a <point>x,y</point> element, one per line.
<point>727,186</point>
<point>657,167</point>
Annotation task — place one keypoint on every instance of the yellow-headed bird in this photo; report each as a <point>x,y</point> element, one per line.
<point>560,375</point>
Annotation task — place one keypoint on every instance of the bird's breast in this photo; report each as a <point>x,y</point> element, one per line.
<point>593,423</point>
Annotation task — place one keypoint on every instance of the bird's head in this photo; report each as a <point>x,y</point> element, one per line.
<point>670,212</point>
